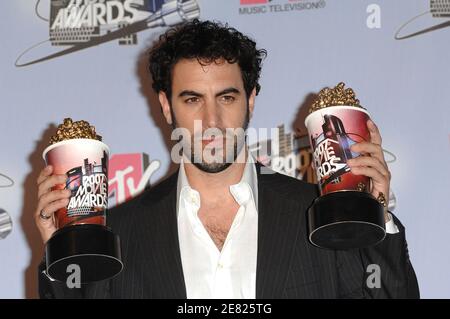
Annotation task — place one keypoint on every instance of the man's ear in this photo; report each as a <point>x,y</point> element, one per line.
<point>251,102</point>
<point>165,106</point>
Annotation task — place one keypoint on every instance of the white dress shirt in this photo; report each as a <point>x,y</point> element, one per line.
<point>208,272</point>
<point>231,272</point>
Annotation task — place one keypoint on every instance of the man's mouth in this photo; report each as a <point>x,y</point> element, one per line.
<point>213,141</point>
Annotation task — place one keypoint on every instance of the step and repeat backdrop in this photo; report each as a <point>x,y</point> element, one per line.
<point>86,59</point>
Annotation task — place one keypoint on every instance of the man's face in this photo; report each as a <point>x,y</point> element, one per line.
<point>209,101</point>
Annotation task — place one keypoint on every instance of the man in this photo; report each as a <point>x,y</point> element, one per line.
<point>221,227</point>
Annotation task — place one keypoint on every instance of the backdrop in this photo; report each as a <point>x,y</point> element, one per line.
<point>85,59</point>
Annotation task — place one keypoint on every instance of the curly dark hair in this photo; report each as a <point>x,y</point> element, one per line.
<point>207,42</point>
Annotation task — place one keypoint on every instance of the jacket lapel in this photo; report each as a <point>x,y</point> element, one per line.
<point>279,224</point>
<point>161,245</point>
<point>280,221</point>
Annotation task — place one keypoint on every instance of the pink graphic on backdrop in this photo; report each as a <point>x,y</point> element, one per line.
<point>254,1</point>
<point>129,174</point>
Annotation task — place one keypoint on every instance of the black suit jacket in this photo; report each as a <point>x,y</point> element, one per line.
<point>288,265</point>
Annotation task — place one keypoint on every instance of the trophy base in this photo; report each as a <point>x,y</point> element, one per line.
<point>94,248</point>
<point>346,220</point>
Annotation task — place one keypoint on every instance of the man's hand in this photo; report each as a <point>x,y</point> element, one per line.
<point>49,201</point>
<point>372,164</point>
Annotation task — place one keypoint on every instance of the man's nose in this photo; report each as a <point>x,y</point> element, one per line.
<point>211,116</point>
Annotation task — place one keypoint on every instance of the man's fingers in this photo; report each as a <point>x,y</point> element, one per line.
<point>49,210</point>
<point>50,182</point>
<point>375,136</point>
<point>370,162</point>
<point>372,149</point>
<point>49,201</point>
<point>374,174</point>
<point>366,147</point>
<point>52,196</point>
<point>379,183</point>
<point>45,172</point>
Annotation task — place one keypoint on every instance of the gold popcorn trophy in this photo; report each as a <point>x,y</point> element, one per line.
<point>345,216</point>
<point>82,238</point>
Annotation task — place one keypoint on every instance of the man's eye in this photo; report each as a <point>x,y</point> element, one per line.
<point>192,100</point>
<point>227,98</point>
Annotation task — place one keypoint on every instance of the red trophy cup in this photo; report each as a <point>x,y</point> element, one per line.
<point>345,216</point>
<point>82,237</point>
